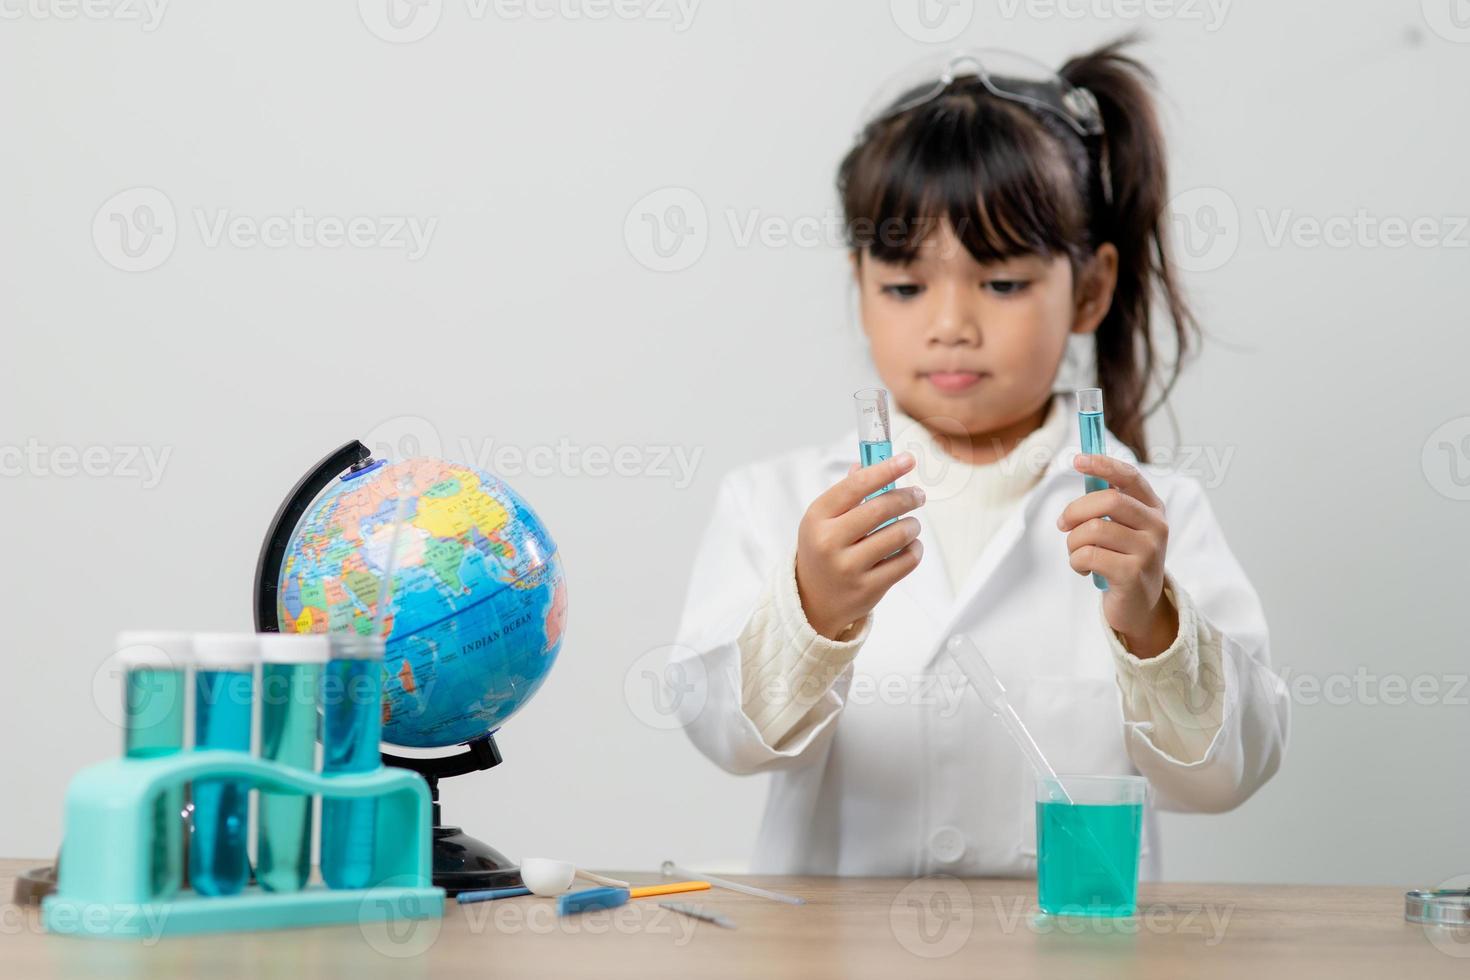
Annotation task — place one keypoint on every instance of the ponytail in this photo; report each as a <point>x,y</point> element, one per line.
<point>1132,162</point>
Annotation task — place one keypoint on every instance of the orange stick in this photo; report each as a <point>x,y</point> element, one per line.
<point>673,888</point>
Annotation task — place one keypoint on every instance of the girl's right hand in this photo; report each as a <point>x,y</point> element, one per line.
<point>842,570</point>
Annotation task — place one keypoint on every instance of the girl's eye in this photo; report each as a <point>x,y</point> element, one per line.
<point>902,290</point>
<point>1007,287</point>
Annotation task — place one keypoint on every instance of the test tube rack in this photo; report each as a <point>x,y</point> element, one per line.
<point>104,883</point>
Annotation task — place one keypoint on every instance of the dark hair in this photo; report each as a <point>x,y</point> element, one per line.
<point>1013,180</point>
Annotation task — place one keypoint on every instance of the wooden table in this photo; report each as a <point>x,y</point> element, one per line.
<point>878,927</point>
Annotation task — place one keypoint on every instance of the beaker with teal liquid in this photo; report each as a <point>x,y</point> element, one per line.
<point>1087,849</point>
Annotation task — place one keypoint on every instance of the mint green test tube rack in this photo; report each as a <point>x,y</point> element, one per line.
<point>105,875</point>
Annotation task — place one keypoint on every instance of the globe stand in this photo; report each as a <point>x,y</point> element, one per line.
<point>461,862</point>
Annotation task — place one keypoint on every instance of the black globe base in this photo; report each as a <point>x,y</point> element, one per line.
<point>461,862</point>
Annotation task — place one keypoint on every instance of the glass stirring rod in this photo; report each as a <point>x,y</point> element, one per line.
<point>670,869</point>
<point>976,668</point>
<point>973,665</point>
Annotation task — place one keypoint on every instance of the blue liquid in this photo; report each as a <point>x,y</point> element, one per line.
<point>352,717</point>
<point>219,863</point>
<point>1073,840</point>
<point>876,452</point>
<point>1094,443</point>
<point>288,725</point>
<point>154,709</point>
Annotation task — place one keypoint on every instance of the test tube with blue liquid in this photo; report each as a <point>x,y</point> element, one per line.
<point>290,676</point>
<point>1094,443</point>
<point>352,706</point>
<point>875,435</point>
<point>224,699</point>
<point>154,666</point>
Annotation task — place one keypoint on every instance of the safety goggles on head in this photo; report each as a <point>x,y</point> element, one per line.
<point>1005,75</point>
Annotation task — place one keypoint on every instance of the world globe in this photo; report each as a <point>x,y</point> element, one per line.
<point>476,607</point>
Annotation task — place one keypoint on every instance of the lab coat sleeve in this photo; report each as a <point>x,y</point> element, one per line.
<point>741,628</point>
<point>786,666</point>
<point>1170,692</point>
<point>1206,721</point>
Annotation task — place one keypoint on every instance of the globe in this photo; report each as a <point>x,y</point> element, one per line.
<point>478,600</point>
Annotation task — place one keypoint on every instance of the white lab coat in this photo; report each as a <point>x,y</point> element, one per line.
<point>900,770</point>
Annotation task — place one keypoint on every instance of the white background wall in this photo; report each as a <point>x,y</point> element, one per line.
<point>530,320</point>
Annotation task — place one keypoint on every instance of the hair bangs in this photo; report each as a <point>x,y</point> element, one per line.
<point>988,170</point>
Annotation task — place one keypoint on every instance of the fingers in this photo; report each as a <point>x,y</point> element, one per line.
<point>867,515</point>
<point>1113,503</point>
<point>1114,566</point>
<point>848,492</point>
<point>1112,536</point>
<point>882,543</point>
<point>862,481</point>
<point>1124,476</point>
<point>894,567</point>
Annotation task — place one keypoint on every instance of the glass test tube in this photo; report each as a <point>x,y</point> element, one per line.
<point>153,710</point>
<point>352,720</point>
<point>290,673</point>
<point>224,697</point>
<point>1094,443</point>
<point>875,437</point>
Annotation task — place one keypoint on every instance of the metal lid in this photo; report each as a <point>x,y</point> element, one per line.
<point>1438,907</point>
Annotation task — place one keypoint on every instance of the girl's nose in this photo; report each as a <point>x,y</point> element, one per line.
<point>954,322</point>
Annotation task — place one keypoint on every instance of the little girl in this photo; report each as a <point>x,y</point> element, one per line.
<point>993,211</point>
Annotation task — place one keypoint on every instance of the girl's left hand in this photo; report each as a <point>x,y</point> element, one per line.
<point>1127,550</point>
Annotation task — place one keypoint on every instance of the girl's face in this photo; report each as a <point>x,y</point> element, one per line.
<point>970,349</point>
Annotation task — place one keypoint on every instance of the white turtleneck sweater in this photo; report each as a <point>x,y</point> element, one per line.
<point>787,667</point>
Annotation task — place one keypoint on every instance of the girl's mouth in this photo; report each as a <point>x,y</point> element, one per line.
<point>953,382</point>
